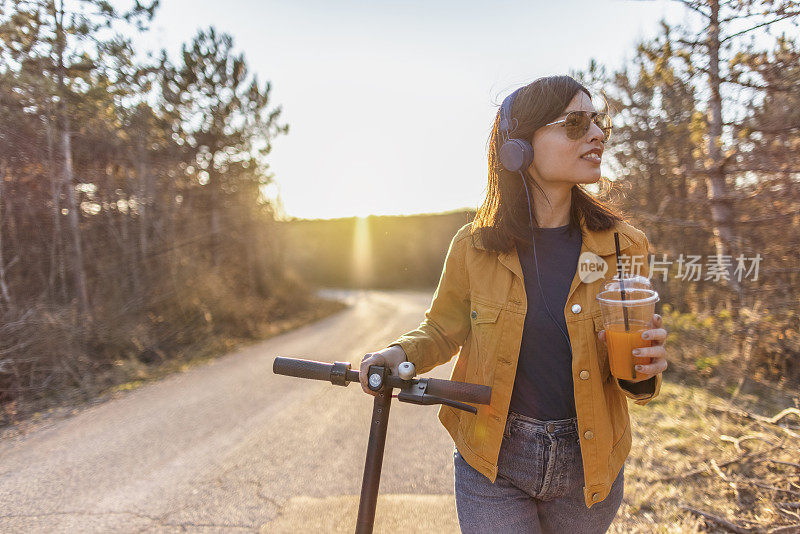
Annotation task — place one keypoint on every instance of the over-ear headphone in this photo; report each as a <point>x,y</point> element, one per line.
<point>516,155</point>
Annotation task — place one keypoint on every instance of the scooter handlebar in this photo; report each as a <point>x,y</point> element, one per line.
<point>447,389</point>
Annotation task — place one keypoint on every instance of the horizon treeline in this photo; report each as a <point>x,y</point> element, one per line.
<point>382,252</point>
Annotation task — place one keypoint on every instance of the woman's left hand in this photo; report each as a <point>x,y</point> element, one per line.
<point>651,360</point>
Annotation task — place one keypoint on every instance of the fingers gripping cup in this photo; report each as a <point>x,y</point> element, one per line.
<point>626,314</point>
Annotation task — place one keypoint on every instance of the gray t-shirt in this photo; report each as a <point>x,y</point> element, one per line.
<point>543,388</point>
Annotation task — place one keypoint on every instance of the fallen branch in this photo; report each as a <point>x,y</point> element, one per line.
<point>744,413</point>
<point>783,463</point>
<point>731,483</point>
<point>766,486</point>
<point>788,513</point>
<point>718,520</point>
<point>704,469</point>
<point>786,431</point>
<point>736,441</point>
<point>783,413</point>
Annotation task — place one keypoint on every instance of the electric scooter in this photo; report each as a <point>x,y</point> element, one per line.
<point>412,390</point>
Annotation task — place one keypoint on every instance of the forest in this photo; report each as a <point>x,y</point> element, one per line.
<point>127,185</point>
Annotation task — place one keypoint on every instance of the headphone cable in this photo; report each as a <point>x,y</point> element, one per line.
<point>536,263</point>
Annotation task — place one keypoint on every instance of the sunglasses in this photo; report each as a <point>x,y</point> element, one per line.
<point>577,123</point>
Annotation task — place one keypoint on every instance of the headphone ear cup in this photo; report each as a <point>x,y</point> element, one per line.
<point>516,155</point>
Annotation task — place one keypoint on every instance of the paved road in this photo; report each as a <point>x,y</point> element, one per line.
<point>231,447</point>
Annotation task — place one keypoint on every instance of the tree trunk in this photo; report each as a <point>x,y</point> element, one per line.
<point>215,220</point>
<point>3,286</point>
<point>78,271</point>
<point>720,198</point>
<point>57,269</point>
<point>145,197</point>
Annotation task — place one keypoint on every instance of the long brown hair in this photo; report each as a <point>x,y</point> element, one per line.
<point>502,221</point>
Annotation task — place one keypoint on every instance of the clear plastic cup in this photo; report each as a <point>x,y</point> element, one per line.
<point>622,337</point>
<point>631,281</point>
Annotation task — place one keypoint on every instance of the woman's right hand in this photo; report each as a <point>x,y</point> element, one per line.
<point>390,357</point>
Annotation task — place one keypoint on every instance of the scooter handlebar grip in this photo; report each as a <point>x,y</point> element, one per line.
<point>459,391</point>
<point>302,368</point>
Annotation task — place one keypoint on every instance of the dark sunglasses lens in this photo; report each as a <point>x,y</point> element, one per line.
<point>604,122</point>
<point>577,124</point>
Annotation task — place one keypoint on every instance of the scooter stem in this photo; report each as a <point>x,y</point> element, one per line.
<point>374,462</point>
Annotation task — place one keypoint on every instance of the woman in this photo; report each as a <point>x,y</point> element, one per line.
<point>548,453</point>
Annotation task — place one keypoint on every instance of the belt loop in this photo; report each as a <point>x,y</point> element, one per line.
<point>507,429</point>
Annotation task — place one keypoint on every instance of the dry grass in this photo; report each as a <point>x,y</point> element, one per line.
<point>700,460</point>
<point>681,443</point>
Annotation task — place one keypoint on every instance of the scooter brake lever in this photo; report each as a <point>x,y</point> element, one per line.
<point>454,404</point>
<point>417,395</point>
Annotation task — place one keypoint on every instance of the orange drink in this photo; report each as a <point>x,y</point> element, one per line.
<point>620,349</point>
<point>626,314</point>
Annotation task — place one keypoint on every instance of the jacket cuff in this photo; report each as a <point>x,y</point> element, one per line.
<point>412,354</point>
<point>641,392</point>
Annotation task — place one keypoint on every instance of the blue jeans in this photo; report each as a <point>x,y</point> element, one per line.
<point>539,484</point>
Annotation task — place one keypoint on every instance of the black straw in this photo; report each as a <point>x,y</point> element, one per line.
<point>621,283</point>
<point>622,293</point>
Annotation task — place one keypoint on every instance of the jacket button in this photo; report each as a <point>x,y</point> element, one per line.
<point>585,375</point>
<point>576,308</point>
<point>595,496</point>
<point>588,434</point>
<point>474,314</point>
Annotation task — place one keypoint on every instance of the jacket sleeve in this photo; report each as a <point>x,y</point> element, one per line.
<point>440,336</point>
<point>647,390</point>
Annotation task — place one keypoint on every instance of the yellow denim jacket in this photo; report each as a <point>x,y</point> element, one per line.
<point>478,311</point>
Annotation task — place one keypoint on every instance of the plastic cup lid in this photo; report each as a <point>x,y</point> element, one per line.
<point>633,297</point>
<point>631,281</point>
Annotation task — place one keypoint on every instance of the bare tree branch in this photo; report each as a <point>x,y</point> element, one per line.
<point>692,44</point>
<point>789,15</point>
<point>695,8</point>
<point>771,87</point>
<point>718,520</point>
<point>785,129</point>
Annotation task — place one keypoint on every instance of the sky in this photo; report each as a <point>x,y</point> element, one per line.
<point>389,104</point>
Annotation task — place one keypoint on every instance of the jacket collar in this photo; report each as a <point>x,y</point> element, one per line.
<point>600,242</point>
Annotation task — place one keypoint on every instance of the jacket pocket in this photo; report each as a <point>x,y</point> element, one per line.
<point>484,313</point>
<point>485,334</point>
<point>601,350</point>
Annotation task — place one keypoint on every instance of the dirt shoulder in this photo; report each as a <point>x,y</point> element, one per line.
<point>134,374</point>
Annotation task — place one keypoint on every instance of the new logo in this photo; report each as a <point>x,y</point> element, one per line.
<point>591,267</point>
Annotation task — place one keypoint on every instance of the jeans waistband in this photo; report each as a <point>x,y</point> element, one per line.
<point>554,427</point>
